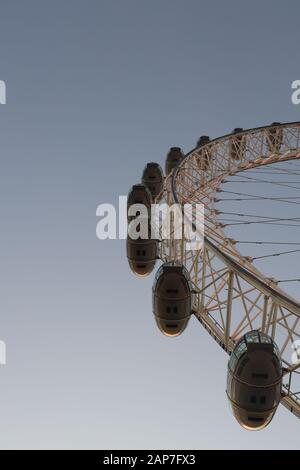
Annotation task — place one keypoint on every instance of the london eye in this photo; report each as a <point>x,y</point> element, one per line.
<point>249,313</point>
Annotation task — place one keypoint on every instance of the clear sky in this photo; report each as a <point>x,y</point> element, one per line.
<point>95,89</point>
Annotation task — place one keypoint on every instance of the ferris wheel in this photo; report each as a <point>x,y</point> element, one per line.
<point>245,311</point>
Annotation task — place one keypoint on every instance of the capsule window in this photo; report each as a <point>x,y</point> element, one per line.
<point>244,362</point>
<point>256,375</point>
<point>255,419</point>
<point>172,325</point>
<point>172,291</point>
<point>263,400</point>
<point>168,310</point>
<point>175,310</point>
<point>138,252</point>
<point>253,399</point>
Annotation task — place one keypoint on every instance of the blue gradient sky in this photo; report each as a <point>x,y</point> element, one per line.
<point>95,89</point>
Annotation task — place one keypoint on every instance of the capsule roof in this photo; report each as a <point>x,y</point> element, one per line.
<point>174,156</point>
<point>153,178</point>
<point>139,194</point>
<point>169,268</point>
<point>175,153</point>
<point>152,168</point>
<point>203,139</point>
<point>138,187</point>
<point>255,336</point>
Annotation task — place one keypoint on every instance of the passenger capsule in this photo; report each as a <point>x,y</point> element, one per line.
<point>204,155</point>
<point>275,138</point>
<point>153,178</point>
<point>142,254</point>
<point>254,380</point>
<point>138,194</point>
<point>174,156</point>
<point>237,144</point>
<point>171,295</point>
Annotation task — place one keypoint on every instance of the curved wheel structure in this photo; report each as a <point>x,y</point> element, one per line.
<point>231,296</point>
